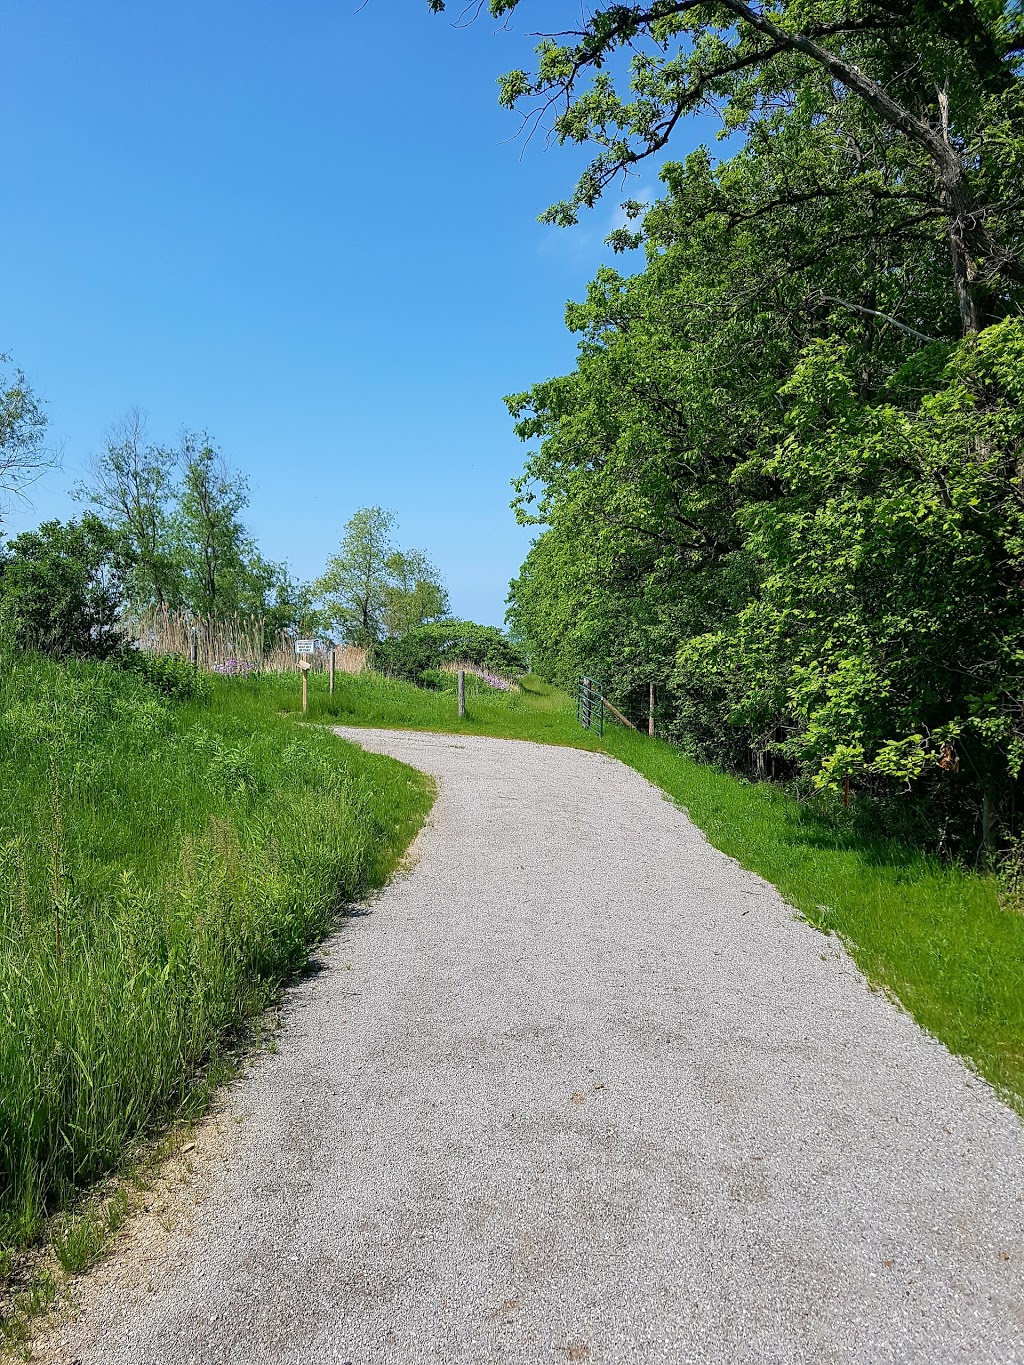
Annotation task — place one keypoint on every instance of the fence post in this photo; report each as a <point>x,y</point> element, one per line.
<point>462,692</point>
<point>193,649</point>
<point>333,652</point>
<point>650,712</point>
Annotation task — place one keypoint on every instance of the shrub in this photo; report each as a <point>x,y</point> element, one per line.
<point>61,589</point>
<point>167,673</point>
<point>425,648</point>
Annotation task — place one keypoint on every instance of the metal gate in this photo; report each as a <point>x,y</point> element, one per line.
<point>590,704</point>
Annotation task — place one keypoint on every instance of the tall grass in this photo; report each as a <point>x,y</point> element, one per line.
<point>163,866</point>
<point>933,935</point>
<point>233,636</point>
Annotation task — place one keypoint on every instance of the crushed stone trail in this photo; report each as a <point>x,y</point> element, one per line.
<point>577,1087</point>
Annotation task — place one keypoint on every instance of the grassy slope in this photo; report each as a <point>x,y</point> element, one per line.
<point>934,936</point>
<point>163,866</point>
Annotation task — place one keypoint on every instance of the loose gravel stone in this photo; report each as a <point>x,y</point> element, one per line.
<point>579,1088</point>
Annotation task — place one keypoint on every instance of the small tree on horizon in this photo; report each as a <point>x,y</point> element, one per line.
<point>371,589</point>
<point>23,453</point>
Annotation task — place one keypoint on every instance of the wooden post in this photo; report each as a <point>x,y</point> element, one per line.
<point>650,711</point>
<point>193,649</point>
<point>462,692</point>
<point>333,652</point>
<point>304,668</point>
<point>846,791</point>
<point>988,824</point>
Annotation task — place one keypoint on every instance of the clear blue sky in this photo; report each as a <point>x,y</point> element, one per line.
<point>306,228</point>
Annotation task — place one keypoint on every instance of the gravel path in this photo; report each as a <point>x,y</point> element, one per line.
<point>579,1088</point>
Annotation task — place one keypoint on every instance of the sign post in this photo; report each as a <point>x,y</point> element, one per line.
<point>462,692</point>
<point>303,647</point>
<point>304,667</point>
<point>333,661</point>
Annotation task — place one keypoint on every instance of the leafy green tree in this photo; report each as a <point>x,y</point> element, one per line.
<point>61,590</point>
<point>290,607</point>
<point>937,80</point>
<point>23,453</point>
<point>413,594</point>
<point>782,480</point>
<point>222,570</point>
<point>371,589</point>
<point>353,586</point>
<point>133,485</point>
<point>887,640</point>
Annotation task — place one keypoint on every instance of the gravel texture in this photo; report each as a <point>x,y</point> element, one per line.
<point>577,1087</point>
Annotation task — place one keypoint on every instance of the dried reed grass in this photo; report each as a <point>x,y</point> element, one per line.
<point>234,637</point>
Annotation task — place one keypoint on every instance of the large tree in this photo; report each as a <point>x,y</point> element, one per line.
<point>413,594</point>
<point>222,570</point>
<point>133,484</point>
<point>938,80</point>
<point>779,484</point>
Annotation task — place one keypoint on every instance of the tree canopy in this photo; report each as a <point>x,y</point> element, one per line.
<point>371,589</point>
<point>929,89</point>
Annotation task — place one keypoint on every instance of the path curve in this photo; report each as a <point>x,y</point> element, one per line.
<point>579,1088</point>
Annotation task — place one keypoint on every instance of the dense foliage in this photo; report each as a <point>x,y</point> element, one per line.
<point>61,589</point>
<point>784,480</point>
<point>425,648</point>
<point>169,674</point>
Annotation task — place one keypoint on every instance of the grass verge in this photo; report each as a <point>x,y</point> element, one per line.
<point>165,861</point>
<point>537,711</point>
<point>932,935</point>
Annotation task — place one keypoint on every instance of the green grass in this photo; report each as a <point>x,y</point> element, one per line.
<point>164,865</point>
<point>933,935</point>
<point>538,711</point>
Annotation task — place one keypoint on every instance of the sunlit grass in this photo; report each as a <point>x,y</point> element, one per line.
<point>163,867</point>
<point>535,711</point>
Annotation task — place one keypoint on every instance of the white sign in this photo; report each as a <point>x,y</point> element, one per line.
<point>305,646</point>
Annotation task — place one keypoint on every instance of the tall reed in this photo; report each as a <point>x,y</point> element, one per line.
<point>231,637</point>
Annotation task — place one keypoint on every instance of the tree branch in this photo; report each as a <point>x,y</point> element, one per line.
<point>873,312</point>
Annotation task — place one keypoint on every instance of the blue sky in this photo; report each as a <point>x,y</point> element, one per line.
<point>306,228</point>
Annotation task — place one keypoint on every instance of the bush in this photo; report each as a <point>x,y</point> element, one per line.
<point>61,589</point>
<point>169,674</point>
<point>425,648</point>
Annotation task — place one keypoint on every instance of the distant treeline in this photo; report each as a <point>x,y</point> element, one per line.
<point>163,541</point>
